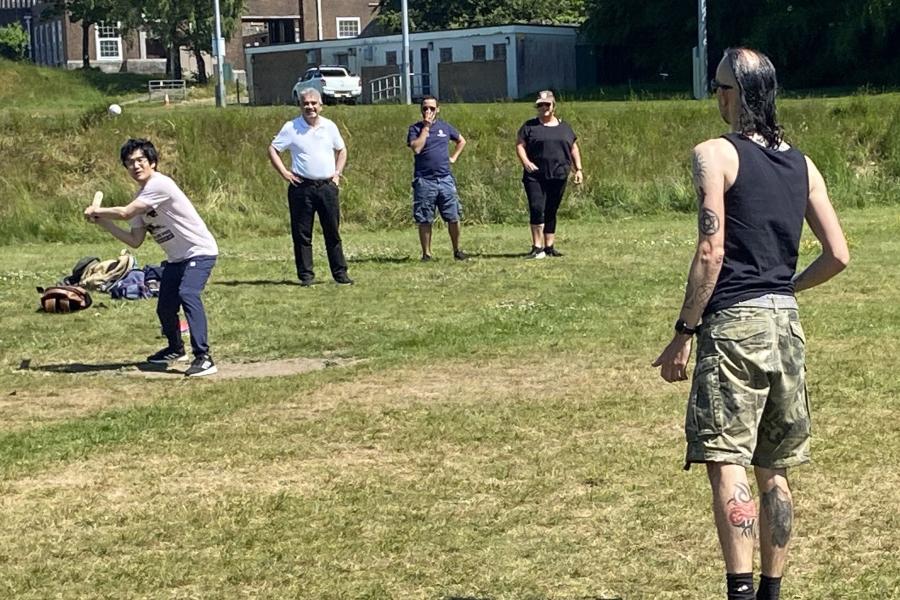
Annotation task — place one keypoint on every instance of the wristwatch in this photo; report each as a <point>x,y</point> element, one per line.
<point>682,327</point>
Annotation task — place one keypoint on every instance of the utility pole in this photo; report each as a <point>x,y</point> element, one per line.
<point>702,68</point>
<point>404,63</point>
<point>219,52</point>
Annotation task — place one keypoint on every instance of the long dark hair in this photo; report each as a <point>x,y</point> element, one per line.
<point>757,85</point>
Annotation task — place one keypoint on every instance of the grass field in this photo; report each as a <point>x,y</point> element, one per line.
<point>501,436</point>
<point>486,430</point>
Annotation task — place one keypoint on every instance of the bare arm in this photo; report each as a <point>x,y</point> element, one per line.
<point>576,163</point>
<point>709,181</point>
<point>523,157</point>
<point>119,213</point>
<point>134,237</point>
<point>418,144</point>
<point>460,144</point>
<point>278,165</point>
<point>340,160</point>
<point>824,224</point>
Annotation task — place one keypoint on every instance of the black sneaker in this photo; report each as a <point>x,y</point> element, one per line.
<point>460,255</point>
<point>343,280</point>
<point>536,253</point>
<point>551,251</point>
<point>425,258</point>
<point>202,365</point>
<point>166,356</point>
<point>307,282</point>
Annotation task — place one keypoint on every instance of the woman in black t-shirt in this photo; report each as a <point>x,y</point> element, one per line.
<point>548,152</point>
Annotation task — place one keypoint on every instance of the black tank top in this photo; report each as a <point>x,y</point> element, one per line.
<point>764,212</point>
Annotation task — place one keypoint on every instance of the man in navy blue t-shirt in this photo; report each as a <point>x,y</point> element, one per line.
<point>433,184</point>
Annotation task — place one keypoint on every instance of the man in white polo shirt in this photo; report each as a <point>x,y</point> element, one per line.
<point>161,209</point>
<point>318,156</point>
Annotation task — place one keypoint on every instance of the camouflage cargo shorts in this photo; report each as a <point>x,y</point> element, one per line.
<point>748,402</point>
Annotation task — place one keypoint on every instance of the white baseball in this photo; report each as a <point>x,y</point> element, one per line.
<point>115,109</point>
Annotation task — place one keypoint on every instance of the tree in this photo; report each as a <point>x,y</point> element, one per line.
<point>811,42</point>
<point>184,24</point>
<point>88,12</point>
<point>430,15</point>
<point>13,42</point>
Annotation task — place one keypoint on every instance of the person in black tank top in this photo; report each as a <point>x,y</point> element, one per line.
<point>748,404</point>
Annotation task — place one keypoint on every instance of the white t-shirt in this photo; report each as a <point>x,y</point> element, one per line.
<point>173,221</point>
<point>312,148</point>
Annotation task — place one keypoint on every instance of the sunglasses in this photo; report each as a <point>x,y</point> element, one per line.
<point>716,85</point>
<point>428,108</point>
<point>543,104</point>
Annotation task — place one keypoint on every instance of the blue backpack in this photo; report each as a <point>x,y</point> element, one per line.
<point>152,278</point>
<point>130,287</point>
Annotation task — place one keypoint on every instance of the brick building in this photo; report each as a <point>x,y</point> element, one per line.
<point>55,41</point>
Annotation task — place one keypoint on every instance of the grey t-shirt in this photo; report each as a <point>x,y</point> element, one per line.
<point>173,221</point>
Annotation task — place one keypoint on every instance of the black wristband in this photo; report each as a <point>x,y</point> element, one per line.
<point>682,327</point>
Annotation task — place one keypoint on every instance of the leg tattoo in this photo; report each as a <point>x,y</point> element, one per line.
<point>742,509</point>
<point>780,515</point>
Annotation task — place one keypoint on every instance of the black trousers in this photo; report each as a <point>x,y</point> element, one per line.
<point>305,201</point>
<point>544,198</point>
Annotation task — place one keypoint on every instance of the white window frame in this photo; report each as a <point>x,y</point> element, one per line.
<point>339,20</point>
<point>99,39</point>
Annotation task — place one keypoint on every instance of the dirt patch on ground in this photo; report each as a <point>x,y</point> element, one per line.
<point>266,368</point>
<point>21,408</point>
<point>227,370</point>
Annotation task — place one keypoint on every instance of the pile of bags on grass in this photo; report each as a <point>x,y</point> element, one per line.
<point>120,277</point>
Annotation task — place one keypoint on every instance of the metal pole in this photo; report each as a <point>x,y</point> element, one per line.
<point>220,58</point>
<point>404,63</point>
<point>319,20</point>
<point>701,46</point>
<point>28,33</point>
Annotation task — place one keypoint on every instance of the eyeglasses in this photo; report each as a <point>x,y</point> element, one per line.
<point>138,160</point>
<point>428,108</point>
<point>716,85</point>
<point>543,104</point>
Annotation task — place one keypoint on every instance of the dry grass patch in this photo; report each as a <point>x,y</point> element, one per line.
<point>32,406</point>
<point>600,378</point>
<point>490,479</point>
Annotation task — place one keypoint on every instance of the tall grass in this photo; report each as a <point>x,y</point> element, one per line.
<point>635,158</point>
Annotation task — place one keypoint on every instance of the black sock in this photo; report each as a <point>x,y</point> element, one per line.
<point>769,588</point>
<point>740,586</point>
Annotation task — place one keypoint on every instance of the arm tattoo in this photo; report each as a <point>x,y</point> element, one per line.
<point>699,296</point>
<point>709,221</point>
<point>699,170</point>
<point>779,515</point>
<point>742,509</point>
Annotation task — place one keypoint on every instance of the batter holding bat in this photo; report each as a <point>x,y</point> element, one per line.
<point>162,209</point>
